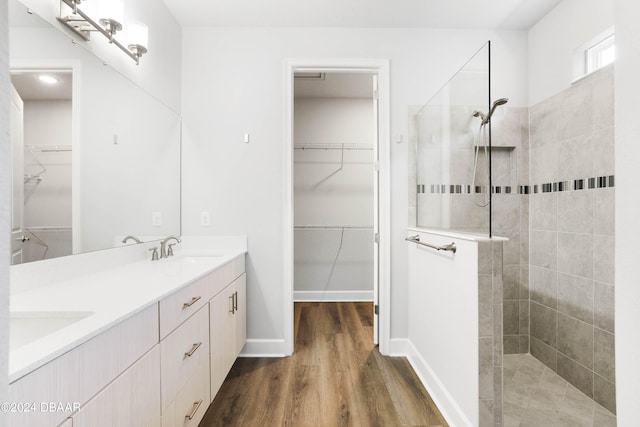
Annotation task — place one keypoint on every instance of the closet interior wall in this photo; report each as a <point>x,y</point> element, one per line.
<point>47,157</point>
<point>333,199</point>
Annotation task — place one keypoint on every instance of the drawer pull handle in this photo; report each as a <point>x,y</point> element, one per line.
<point>196,405</point>
<point>190,303</point>
<point>235,301</point>
<point>232,310</point>
<point>193,349</point>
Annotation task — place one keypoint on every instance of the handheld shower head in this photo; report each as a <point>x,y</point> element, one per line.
<point>498,102</point>
<point>485,119</point>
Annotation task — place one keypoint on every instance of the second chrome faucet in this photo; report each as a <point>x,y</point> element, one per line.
<point>164,252</point>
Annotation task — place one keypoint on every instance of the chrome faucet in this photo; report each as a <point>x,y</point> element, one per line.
<point>163,246</point>
<point>134,238</point>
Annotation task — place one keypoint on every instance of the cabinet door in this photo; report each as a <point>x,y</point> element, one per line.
<point>221,342</point>
<point>132,400</point>
<point>240,315</point>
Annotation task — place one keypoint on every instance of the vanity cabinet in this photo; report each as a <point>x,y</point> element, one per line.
<point>150,369</point>
<point>228,330</point>
<point>133,399</point>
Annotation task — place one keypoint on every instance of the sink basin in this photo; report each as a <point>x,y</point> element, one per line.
<point>26,327</point>
<point>193,259</point>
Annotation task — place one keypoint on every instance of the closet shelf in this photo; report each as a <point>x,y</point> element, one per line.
<point>345,147</point>
<point>48,148</point>
<point>333,227</point>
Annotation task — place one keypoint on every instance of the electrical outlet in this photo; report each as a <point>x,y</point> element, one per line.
<point>205,219</point>
<point>156,219</point>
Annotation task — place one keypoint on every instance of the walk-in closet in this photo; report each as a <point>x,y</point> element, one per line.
<point>334,203</point>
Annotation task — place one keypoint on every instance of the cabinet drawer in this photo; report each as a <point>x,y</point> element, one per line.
<point>192,401</point>
<point>179,306</point>
<point>182,354</point>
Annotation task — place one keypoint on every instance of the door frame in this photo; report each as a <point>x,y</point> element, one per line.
<point>380,67</point>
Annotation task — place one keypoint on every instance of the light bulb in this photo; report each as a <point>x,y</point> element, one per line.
<point>112,9</point>
<point>111,14</point>
<point>138,34</point>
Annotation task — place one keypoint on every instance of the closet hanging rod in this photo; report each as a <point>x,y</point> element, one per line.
<point>48,148</point>
<point>47,228</point>
<point>345,147</point>
<point>333,227</point>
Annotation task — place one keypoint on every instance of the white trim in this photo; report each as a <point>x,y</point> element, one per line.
<point>400,347</point>
<point>381,68</point>
<point>450,410</point>
<point>332,296</point>
<point>263,348</point>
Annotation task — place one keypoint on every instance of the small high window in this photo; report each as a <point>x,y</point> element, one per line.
<point>600,55</point>
<point>598,52</point>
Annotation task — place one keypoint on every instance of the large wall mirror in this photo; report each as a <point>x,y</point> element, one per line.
<point>96,158</point>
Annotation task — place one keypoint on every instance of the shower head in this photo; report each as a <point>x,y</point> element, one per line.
<point>498,102</point>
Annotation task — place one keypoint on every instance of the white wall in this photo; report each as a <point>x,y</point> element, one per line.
<point>333,188</point>
<point>627,291</point>
<point>553,40</point>
<point>159,69</point>
<point>48,202</point>
<point>233,83</point>
<point>48,123</point>
<point>444,291</point>
<point>5,191</point>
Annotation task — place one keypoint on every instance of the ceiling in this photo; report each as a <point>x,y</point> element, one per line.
<point>31,88</point>
<point>469,14</point>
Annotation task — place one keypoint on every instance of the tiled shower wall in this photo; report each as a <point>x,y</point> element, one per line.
<point>510,218</point>
<point>572,236</point>
<point>490,321</point>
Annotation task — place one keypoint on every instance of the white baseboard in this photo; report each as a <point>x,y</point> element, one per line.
<point>400,347</point>
<point>263,348</point>
<point>449,409</point>
<point>332,296</point>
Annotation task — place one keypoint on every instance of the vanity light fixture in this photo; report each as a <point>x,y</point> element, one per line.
<point>109,22</point>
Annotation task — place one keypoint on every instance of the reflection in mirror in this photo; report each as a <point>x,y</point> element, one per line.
<point>43,228</point>
<point>114,169</point>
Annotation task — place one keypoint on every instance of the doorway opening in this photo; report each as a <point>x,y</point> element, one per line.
<point>336,233</point>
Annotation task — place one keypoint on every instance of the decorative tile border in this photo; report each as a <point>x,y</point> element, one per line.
<point>548,187</point>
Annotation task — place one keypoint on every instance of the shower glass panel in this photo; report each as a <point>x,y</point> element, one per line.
<point>453,171</point>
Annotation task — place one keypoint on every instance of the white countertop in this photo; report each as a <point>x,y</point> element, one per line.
<point>112,295</point>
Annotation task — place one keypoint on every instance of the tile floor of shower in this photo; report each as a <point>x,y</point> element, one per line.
<point>535,396</point>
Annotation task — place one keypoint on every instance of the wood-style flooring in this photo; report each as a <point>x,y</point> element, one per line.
<point>336,377</point>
